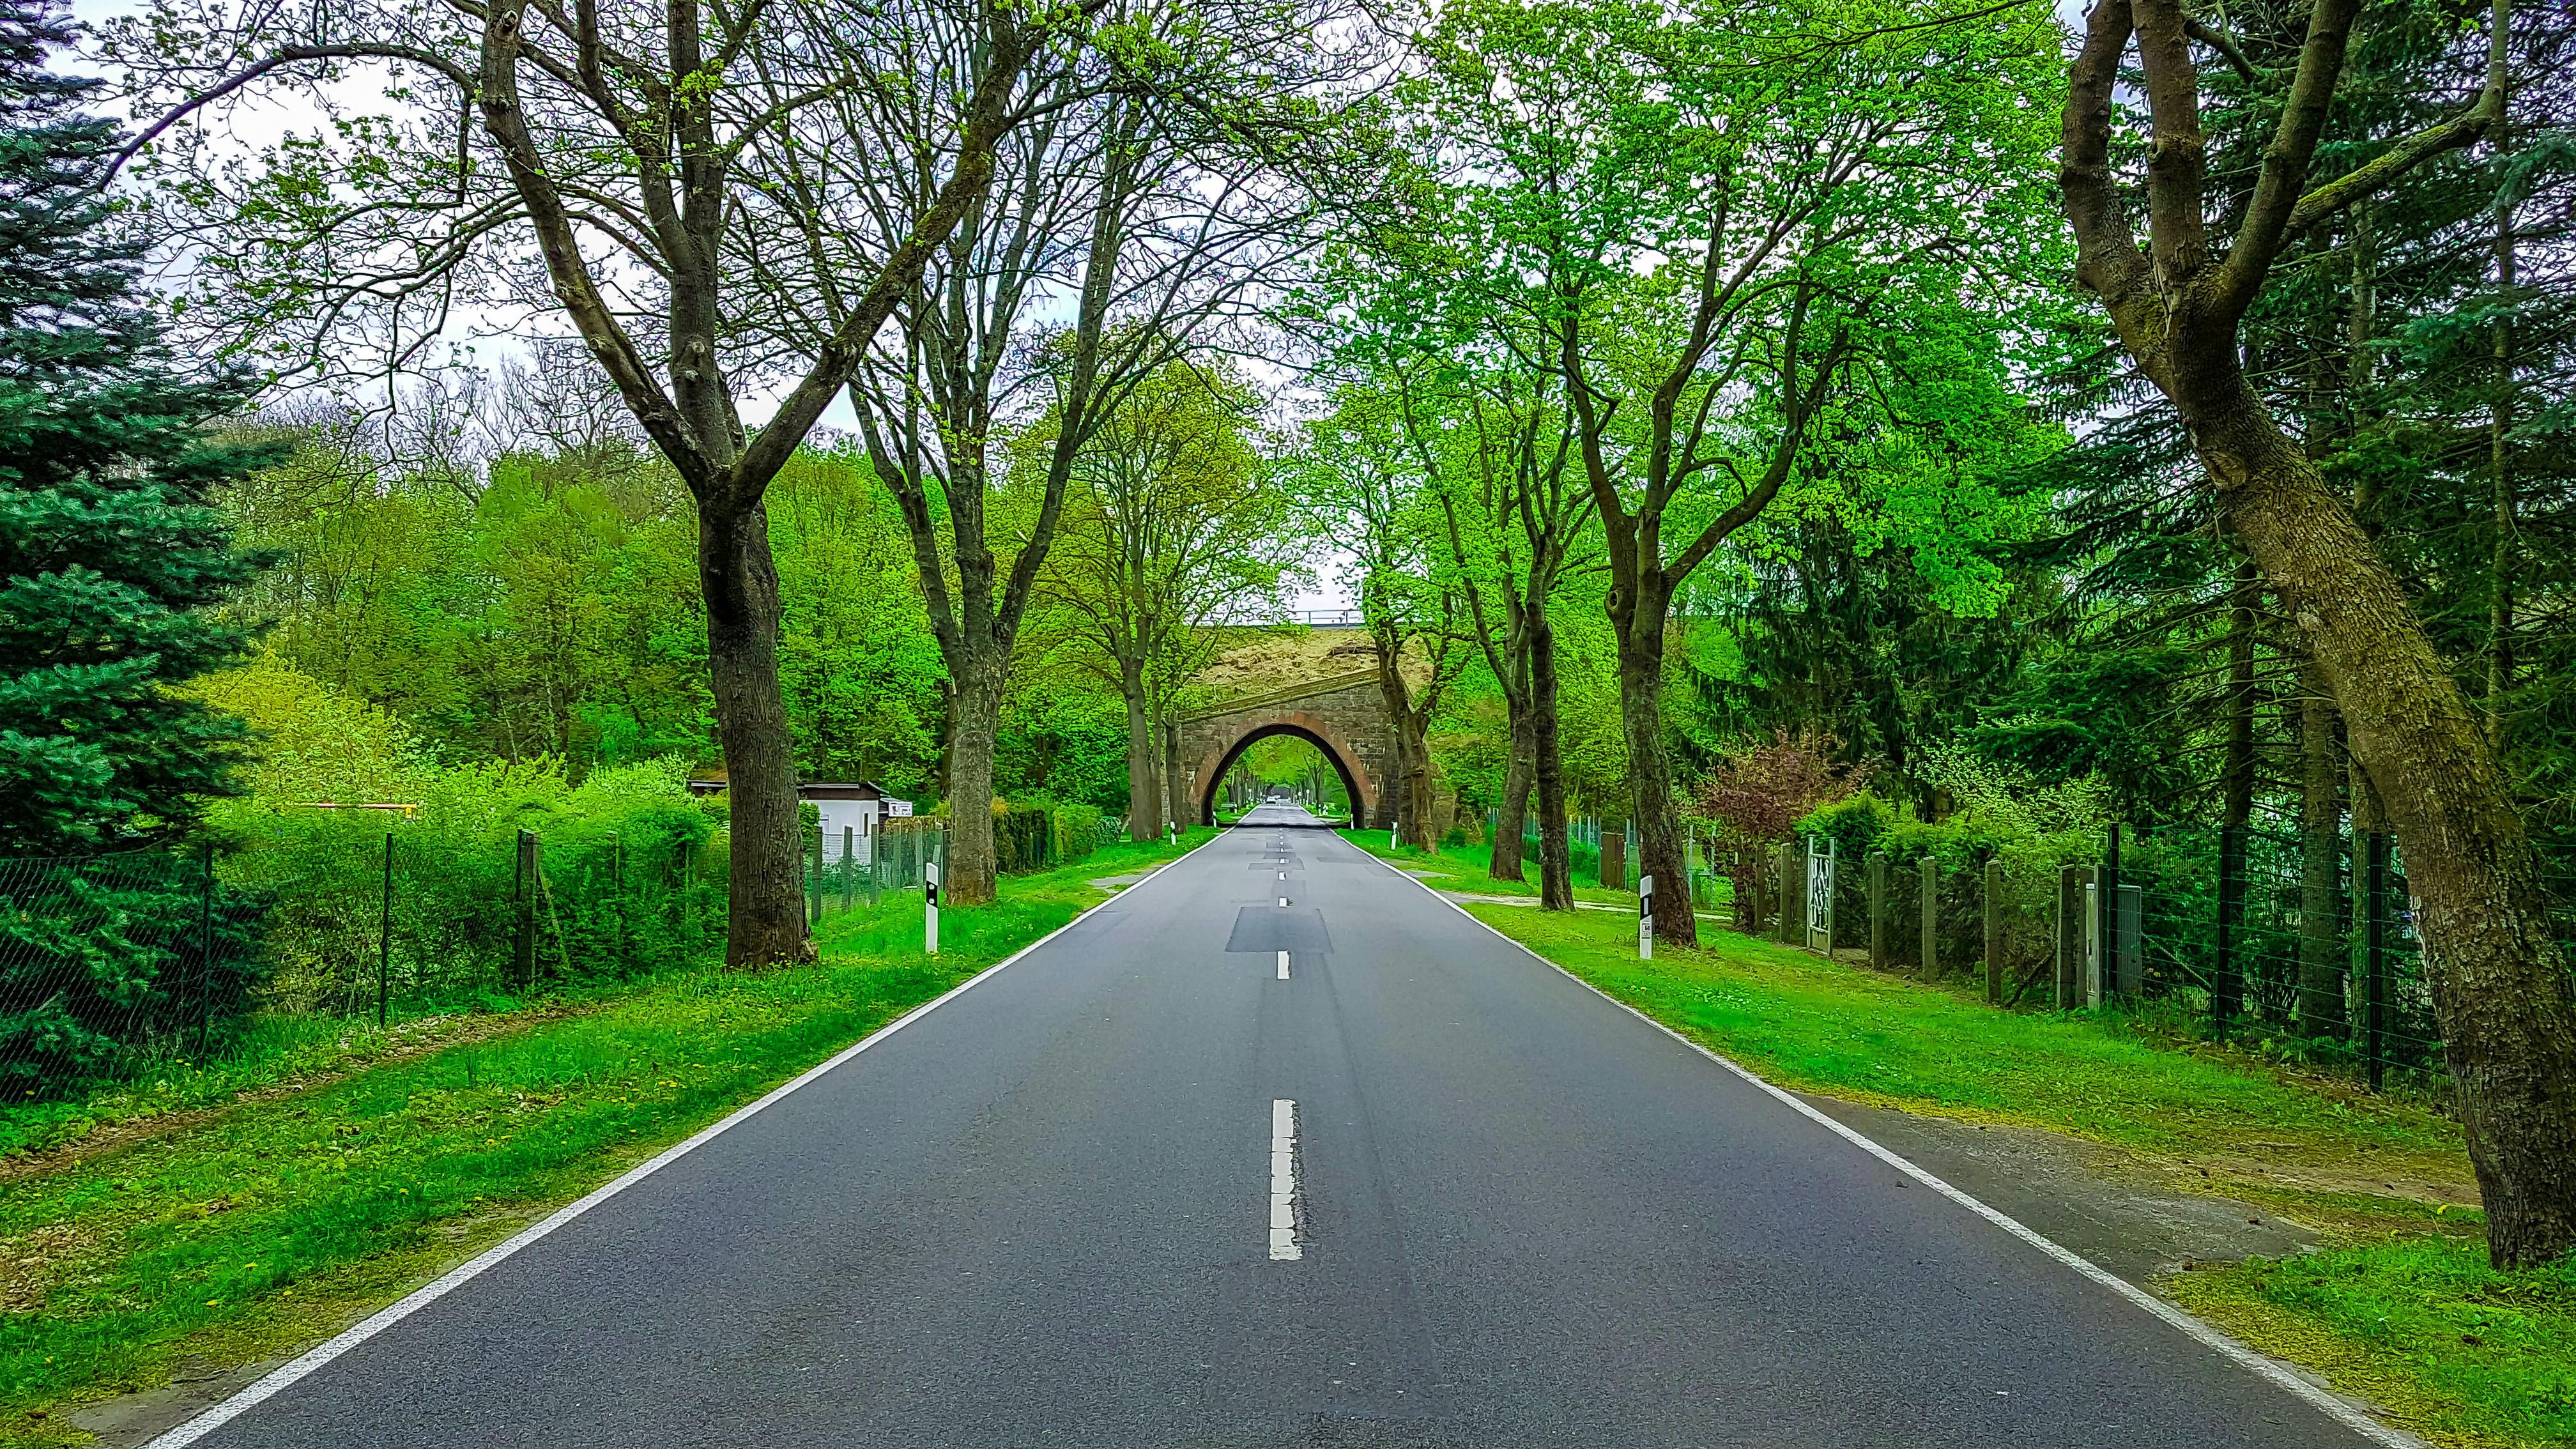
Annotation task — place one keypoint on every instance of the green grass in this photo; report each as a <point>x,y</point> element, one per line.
<point>2459,1352</point>
<point>2400,1306</point>
<point>268,1226</point>
<point>266,1053</point>
<point>1464,868</point>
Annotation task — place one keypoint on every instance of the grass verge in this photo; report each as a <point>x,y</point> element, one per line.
<point>2399,1306</point>
<point>268,1226</point>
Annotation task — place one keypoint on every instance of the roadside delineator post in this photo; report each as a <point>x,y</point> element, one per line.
<point>1645,918</point>
<point>930,908</point>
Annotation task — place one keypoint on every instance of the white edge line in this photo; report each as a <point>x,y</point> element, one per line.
<point>2263,1366</point>
<point>293,1370</point>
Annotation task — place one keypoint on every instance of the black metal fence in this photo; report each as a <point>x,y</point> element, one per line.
<point>111,963</point>
<point>2305,936</point>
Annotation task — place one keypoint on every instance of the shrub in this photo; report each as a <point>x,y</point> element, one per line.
<point>1077,830</point>
<point>630,877</point>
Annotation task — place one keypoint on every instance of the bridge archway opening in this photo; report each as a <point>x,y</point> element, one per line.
<point>1336,752</point>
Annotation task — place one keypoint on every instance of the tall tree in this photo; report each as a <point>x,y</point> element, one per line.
<point>1497,445</point>
<point>2178,303</point>
<point>1363,480</point>
<point>1715,216</point>
<point>1152,188</point>
<point>1170,526</point>
<point>630,150</point>
<point>111,555</point>
<point>111,563</point>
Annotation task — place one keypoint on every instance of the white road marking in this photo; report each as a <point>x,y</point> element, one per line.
<point>1283,1180</point>
<point>2271,1370</point>
<point>1283,965</point>
<point>311,1359</point>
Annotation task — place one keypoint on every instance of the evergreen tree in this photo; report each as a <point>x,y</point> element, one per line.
<point>110,554</point>
<point>110,558</point>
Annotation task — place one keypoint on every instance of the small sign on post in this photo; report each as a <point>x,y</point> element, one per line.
<point>930,907</point>
<point>1645,918</point>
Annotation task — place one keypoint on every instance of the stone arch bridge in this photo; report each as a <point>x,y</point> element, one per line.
<point>1325,692</point>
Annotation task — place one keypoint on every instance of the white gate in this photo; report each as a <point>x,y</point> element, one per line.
<point>1820,895</point>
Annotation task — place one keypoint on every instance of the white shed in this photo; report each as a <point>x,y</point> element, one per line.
<point>853,813</point>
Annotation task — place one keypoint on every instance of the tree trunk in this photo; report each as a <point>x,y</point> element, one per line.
<point>1401,787</point>
<point>1650,775</point>
<point>1179,808</point>
<point>1506,855</point>
<point>974,722</point>
<point>1144,810</point>
<point>1417,784</point>
<point>2321,965</point>
<point>765,907</point>
<point>2500,988</point>
<point>1547,770</point>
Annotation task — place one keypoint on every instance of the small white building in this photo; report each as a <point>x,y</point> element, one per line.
<point>853,814</point>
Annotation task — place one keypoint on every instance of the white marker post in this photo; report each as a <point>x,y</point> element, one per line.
<point>930,907</point>
<point>1645,918</point>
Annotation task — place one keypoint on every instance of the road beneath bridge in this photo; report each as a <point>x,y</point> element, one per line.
<point>1276,1149</point>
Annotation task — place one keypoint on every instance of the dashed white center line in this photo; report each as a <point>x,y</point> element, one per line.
<point>1283,965</point>
<point>1283,1180</point>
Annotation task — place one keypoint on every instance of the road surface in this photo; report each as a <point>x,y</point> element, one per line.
<point>1137,1190</point>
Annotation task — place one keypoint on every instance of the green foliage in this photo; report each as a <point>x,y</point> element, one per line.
<point>1042,834</point>
<point>1855,826</point>
<point>630,874</point>
<point>1078,831</point>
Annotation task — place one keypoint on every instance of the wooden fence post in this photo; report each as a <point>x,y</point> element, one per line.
<point>1930,922</point>
<point>1994,933</point>
<point>2071,881</point>
<point>525,948</point>
<point>1878,910</point>
<point>1793,893</point>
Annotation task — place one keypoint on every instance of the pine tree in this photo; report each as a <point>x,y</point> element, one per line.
<point>110,562</point>
<point>110,554</point>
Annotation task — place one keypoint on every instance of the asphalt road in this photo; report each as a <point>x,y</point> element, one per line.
<point>1067,1209</point>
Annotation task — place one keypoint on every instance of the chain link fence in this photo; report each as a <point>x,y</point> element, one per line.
<point>111,964</point>
<point>107,958</point>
